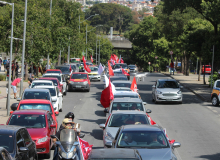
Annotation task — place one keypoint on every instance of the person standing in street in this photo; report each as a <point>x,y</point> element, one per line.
<point>14,85</point>
<point>5,63</point>
<point>171,67</point>
<point>16,69</point>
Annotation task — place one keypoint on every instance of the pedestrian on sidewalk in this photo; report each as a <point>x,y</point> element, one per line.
<point>30,80</point>
<point>0,64</point>
<point>171,67</point>
<point>14,85</point>
<point>16,69</point>
<point>5,63</point>
<point>7,72</point>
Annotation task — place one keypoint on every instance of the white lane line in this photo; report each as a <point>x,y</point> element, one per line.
<point>178,155</point>
<point>214,111</point>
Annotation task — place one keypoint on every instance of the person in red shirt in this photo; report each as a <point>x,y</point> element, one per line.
<point>172,67</point>
<point>14,85</point>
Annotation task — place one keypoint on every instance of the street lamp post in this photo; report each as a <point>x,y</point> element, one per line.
<point>96,53</point>
<point>9,80</point>
<point>99,52</point>
<point>48,57</point>
<point>23,48</point>
<point>86,19</point>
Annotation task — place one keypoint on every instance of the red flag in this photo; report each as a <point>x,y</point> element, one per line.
<point>105,97</point>
<point>124,72</point>
<point>85,66</point>
<point>111,73</point>
<point>134,85</point>
<point>113,57</point>
<point>116,58</point>
<point>84,60</point>
<point>91,59</point>
<point>85,148</point>
<point>122,61</point>
<point>151,121</point>
<point>110,88</point>
<point>70,68</point>
<point>112,61</point>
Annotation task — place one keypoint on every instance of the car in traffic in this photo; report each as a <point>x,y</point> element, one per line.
<point>66,69</point>
<point>215,95</point>
<point>123,94</point>
<point>116,78</point>
<point>120,118</point>
<point>123,89</point>
<point>125,104</point>
<point>150,141</point>
<point>94,75</point>
<point>79,81</point>
<point>61,79</point>
<point>166,90</point>
<point>17,141</point>
<point>55,82</point>
<point>114,153</point>
<point>122,83</point>
<point>133,68</point>
<point>4,154</point>
<point>41,83</point>
<point>53,71</point>
<point>36,104</point>
<point>118,66</point>
<point>56,96</point>
<point>40,125</point>
<point>208,69</point>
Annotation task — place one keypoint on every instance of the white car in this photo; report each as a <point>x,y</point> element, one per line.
<point>61,78</point>
<point>41,83</point>
<point>94,75</point>
<point>56,96</point>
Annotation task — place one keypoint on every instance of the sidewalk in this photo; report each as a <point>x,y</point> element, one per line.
<point>191,83</point>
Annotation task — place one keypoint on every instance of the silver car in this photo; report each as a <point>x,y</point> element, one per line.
<point>119,118</point>
<point>94,75</point>
<point>122,89</point>
<point>166,90</point>
<point>122,84</point>
<point>122,94</point>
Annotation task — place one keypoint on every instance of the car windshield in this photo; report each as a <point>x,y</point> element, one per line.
<point>79,76</point>
<point>53,80</point>
<point>122,89</point>
<point>167,84</point>
<point>63,68</point>
<point>93,69</point>
<point>116,84</point>
<point>7,141</point>
<point>142,139</point>
<point>36,106</point>
<point>124,66</point>
<point>52,91</point>
<point>53,72</point>
<point>28,121</point>
<point>117,120</point>
<point>127,106</point>
<point>132,66</point>
<point>118,78</point>
<point>41,84</point>
<point>53,76</point>
<point>126,95</point>
<point>36,95</point>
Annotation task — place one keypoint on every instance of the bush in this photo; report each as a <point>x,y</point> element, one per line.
<point>2,77</point>
<point>214,78</point>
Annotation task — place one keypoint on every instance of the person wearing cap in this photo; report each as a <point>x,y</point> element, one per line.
<point>14,85</point>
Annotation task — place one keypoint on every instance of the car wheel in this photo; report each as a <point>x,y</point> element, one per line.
<point>215,101</point>
<point>47,156</point>
<point>88,90</point>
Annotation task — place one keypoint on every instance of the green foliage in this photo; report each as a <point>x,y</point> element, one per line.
<point>2,77</point>
<point>214,78</point>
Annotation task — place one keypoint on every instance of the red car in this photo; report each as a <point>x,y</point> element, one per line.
<point>56,82</point>
<point>53,71</point>
<point>208,69</point>
<point>36,104</point>
<point>40,126</point>
<point>79,81</point>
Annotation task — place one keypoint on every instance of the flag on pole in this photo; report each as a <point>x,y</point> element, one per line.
<point>84,60</point>
<point>85,148</point>
<point>119,59</point>
<point>101,69</point>
<point>110,89</point>
<point>111,73</point>
<point>122,61</point>
<point>85,66</point>
<point>70,68</point>
<point>91,59</point>
<point>105,96</point>
<point>134,85</point>
<point>124,72</point>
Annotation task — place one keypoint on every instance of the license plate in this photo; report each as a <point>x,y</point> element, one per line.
<point>168,99</point>
<point>78,86</point>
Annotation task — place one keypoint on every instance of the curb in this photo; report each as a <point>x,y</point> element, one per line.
<point>198,95</point>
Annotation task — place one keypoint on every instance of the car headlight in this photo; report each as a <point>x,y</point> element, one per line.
<point>42,140</point>
<point>179,92</point>
<point>109,137</point>
<point>86,82</point>
<point>71,82</point>
<point>159,92</point>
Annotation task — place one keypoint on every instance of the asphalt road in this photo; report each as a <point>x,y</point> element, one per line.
<point>194,124</point>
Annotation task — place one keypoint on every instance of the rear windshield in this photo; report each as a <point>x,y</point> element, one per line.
<point>167,84</point>
<point>36,106</point>
<point>127,106</point>
<point>79,76</point>
<point>119,79</point>
<point>41,84</point>
<point>63,68</point>
<point>53,76</point>
<point>53,72</point>
<point>124,66</point>
<point>36,95</point>
<point>52,91</point>
<point>53,80</point>
<point>122,84</point>
<point>126,95</point>
<point>28,121</point>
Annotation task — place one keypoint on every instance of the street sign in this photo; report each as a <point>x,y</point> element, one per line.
<point>156,57</point>
<point>171,52</point>
<point>148,62</point>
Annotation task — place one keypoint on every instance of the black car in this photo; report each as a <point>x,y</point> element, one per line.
<point>66,71</point>
<point>122,154</point>
<point>121,65</point>
<point>17,141</point>
<point>4,155</point>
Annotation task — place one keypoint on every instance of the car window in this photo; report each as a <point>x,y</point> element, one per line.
<point>167,84</point>
<point>117,120</point>
<point>41,84</point>
<point>28,120</point>
<point>46,107</point>
<point>218,84</point>
<point>26,137</point>
<point>79,76</point>
<point>124,66</point>
<point>36,95</point>
<point>93,69</point>
<point>127,106</point>
<point>19,140</point>
<point>53,76</point>
<point>125,95</point>
<point>122,84</point>
<point>7,141</point>
<point>63,68</point>
<point>53,72</point>
<point>50,119</point>
<point>143,139</point>
<point>52,91</point>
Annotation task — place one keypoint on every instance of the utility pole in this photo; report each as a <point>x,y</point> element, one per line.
<point>48,57</point>
<point>96,53</point>
<point>86,42</point>
<point>79,23</point>
<point>99,52</point>
<point>68,60</point>
<point>212,66</point>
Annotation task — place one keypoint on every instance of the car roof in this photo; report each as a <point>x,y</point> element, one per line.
<point>127,112</point>
<point>42,81</point>
<point>45,86</point>
<point>66,65</point>
<point>31,111</point>
<point>113,153</point>
<point>79,73</point>
<point>120,63</point>
<point>50,74</point>
<point>125,93</point>
<point>119,76</point>
<point>9,129</point>
<point>53,70</point>
<point>27,101</point>
<point>166,80</point>
<point>52,78</point>
<point>35,90</point>
<point>122,81</point>
<point>142,127</point>
<point>127,99</point>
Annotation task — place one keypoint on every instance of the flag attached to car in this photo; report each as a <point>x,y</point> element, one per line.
<point>134,85</point>
<point>101,69</point>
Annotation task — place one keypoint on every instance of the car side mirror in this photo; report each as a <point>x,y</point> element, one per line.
<point>61,84</point>
<point>153,86</point>
<point>176,144</point>
<point>54,99</point>
<point>53,136</point>
<point>14,106</point>
<point>102,126</point>
<point>106,110</point>
<point>145,103</point>
<point>108,144</point>
<point>23,149</point>
<point>53,126</point>
<point>56,113</point>
<point>148,111</point>
<point>18,99</point>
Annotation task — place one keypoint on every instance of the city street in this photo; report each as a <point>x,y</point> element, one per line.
<point>194,124</point>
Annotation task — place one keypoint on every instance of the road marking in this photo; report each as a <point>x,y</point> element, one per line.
<point>178,155</point>
<point>214,111</point>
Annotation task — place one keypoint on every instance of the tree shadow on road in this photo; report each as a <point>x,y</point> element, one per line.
<point>210,157</point>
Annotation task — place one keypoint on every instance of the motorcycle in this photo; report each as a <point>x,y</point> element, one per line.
<point>67,145</point>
